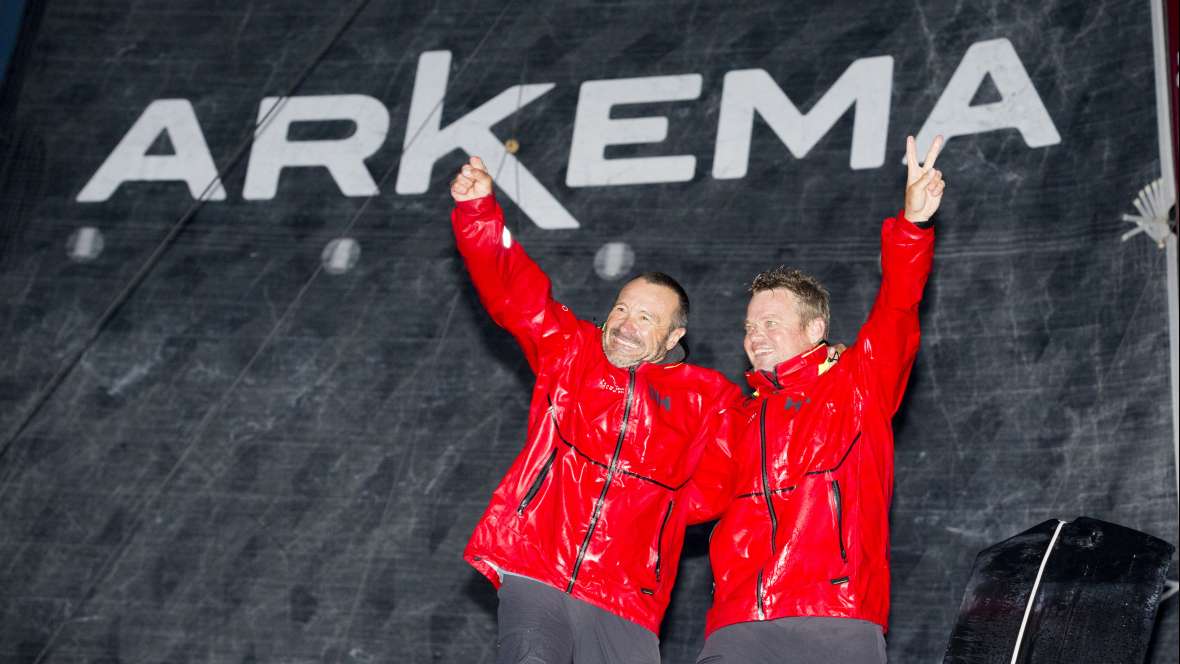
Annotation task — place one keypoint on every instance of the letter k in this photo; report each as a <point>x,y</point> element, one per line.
<point>427,141</point>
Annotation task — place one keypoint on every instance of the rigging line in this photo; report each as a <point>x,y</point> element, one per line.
<point>117,555</point>
<point>515,131</point>
<point>179,225</point>
<point>515,126</point>
<point>411,376</point>
<point>389,496</point>
<point>122,297</point>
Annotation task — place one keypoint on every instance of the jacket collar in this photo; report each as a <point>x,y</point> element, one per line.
<point>644,367</point>
<point>801,369</point>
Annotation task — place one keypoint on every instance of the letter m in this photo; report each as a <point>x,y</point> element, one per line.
<point>866,84</point>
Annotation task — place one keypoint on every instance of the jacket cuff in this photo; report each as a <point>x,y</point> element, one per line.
<point>929,223</point>
<point>476,206</point>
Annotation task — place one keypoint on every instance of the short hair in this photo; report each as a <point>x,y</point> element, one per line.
<point>813,297</point>
<point>680,319</point>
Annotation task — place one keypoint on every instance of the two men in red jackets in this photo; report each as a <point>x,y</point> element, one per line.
<point>583,534</point>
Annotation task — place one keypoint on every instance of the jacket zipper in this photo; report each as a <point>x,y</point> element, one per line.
<point>610,477</point>
<point>660,539</point>
<point>839,519</point>
<point>528,497</point>
<point>766,479</point>
<point>769,504</point>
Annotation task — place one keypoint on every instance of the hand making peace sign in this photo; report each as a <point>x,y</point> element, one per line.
<point>923,184</point>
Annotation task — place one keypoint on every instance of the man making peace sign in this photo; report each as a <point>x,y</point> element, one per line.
<point>801,556</point>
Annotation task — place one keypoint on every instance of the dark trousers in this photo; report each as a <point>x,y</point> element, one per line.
<point>796,641</point>
<point>540,624</point>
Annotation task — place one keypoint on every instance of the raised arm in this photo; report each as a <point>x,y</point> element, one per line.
<point>513,289</point>
<point>888,342</point>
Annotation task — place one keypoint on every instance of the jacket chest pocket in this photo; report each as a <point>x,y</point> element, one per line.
<point>660,539</point>
<point>538,481</point>
<point>837,502</point>
<point>658,567</point>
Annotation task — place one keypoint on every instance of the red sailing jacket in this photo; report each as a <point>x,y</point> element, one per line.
<point>592,505</point>
<point>807,478</point>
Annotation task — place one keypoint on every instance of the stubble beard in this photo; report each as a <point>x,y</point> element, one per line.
<point>626,361</point>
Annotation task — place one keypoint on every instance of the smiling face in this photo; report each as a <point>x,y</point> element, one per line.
<point>641,326</point>
<point>775,329</point>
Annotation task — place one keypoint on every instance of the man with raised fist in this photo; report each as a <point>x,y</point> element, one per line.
<point>801,555</point>
<point>583,534</point>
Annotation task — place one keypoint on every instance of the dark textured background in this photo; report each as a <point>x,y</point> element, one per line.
<point>199,488</point>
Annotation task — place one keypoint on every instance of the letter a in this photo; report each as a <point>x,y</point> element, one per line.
<point>129,162</point>
<point>1019,108</point>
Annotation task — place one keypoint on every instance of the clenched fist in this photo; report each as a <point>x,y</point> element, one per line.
<point>473,181</point>
<point>923,184</point>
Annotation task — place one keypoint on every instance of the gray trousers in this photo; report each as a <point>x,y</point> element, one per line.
<point>540,624</point>
<point>796,641</point>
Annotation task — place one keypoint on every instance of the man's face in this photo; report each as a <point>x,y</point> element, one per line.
<point>775,330</point>
<point>640,326</point>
